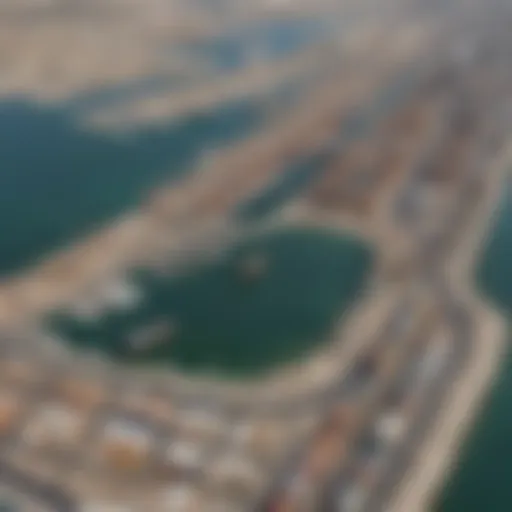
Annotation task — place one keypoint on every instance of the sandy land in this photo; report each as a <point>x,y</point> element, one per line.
<point>257,79</point>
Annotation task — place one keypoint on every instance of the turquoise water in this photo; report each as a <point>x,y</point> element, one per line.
<point>58,182</point>
<point>481,481</point>
<point>233,327</point>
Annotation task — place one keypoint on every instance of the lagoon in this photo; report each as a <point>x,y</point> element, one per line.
<point>232,326</point>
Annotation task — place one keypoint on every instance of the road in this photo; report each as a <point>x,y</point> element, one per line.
<point>433,249</point>
<point>458,317</point>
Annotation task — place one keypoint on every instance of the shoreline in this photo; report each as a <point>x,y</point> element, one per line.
<point>141,236</point>
<point>135,236</point>
<point>322,365</point>
<point>349,337</point>
<point>438,454</point>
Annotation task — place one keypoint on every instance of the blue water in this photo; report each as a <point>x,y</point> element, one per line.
<point>58,181</point>
<point>481,480</point>
<point>233,327</point>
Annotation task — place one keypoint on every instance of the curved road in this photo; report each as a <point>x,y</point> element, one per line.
<point>459,320</point>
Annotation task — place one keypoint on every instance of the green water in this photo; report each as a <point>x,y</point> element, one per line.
<point>481,481</point>
<point>234,327</point>
<point>58,182</point>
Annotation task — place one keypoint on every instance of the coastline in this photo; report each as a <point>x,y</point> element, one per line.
<point>439,453</point>
<point>135,237</point>
<point>140,238</point>
<point>350,335</point>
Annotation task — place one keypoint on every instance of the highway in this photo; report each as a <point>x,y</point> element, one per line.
<point>460,321</point>
<point>345,388</point>
<point>434,249</point>
<point>348,386</point>
<point>398,460</point>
